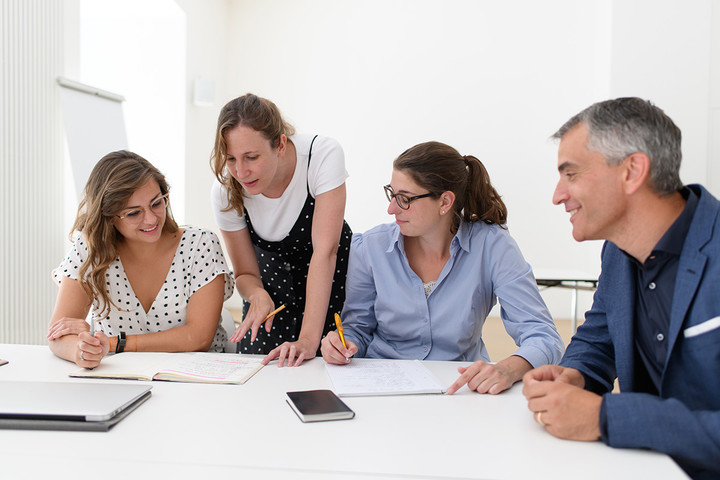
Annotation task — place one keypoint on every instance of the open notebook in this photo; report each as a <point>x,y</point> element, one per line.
<point>194,367</point>
<point>67,406</point>
<point>366,377</point>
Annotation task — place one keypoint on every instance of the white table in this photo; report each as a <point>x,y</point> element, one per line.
<point>235,431</point>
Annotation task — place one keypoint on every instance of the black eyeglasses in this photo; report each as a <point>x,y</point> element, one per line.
<point>403,200</point>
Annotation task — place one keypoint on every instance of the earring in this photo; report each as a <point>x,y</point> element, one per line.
<point>442,212</point>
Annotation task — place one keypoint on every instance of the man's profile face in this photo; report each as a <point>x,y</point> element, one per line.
<point>590,190</point>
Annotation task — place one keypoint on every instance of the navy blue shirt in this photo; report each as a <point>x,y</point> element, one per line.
<point>655,284</point>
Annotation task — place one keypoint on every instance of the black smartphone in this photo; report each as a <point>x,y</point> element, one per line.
<point>318,406</point>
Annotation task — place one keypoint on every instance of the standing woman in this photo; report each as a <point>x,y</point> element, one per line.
<point>280,204</point>
<point>421,288</point>
<point>152,287</point>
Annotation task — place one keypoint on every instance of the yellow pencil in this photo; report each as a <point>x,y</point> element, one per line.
<point>338,324</point>
<point>274,312</point>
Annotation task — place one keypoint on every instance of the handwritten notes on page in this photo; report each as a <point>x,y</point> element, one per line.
<point>366,377</point>
<point>192,367</point>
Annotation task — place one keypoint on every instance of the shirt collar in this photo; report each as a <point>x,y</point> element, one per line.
<point>673,240</point>
<point>395,239</point>
<point>462,236</point>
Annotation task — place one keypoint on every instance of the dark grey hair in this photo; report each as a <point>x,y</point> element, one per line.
<point>623,126</point>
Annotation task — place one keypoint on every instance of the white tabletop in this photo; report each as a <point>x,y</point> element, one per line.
<point>214,431</point>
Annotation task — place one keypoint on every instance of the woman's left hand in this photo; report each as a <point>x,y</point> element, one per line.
<point>491,378</point>
<point>67,326</point>
<point>294,352</point>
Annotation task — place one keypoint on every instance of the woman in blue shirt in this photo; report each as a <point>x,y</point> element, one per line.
<point>422,287</point>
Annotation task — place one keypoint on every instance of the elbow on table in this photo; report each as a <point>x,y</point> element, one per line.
<point>60,350</point>
<point>53,346</point>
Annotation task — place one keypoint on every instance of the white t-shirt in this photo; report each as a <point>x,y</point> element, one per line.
<point>273,218</point>
<point>197,261</point>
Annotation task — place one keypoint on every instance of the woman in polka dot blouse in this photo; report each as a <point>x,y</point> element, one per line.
<point>151,285</point>
<point>279,201</point>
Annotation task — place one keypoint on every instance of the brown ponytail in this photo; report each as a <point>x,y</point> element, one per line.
<point>440,168</point>
<point>483,202</point>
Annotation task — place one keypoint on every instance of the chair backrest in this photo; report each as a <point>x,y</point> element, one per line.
<point>228,323</point>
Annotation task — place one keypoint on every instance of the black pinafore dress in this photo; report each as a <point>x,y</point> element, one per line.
<point>283,269</point>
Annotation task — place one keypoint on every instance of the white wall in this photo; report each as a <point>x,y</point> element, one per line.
<point>661,50</point>
<point>137,48</point>
<point>207,28</point>
<point>493,79</point>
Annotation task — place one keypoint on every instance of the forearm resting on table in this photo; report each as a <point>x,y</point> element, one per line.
<point>178,339</point>
<point>65,347</point>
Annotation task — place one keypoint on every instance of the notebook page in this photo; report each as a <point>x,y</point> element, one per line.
<point>211,368</point>
<point>131,365</point>
<point>382,377</point>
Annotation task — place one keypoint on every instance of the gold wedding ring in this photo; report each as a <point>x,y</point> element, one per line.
<point>539,419</point>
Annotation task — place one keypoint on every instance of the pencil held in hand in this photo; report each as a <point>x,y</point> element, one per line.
<point>274,312</point>
<point>338,324</point>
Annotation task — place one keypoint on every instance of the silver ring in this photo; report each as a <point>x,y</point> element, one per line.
<point>538,418</point>
<point>81,357</point>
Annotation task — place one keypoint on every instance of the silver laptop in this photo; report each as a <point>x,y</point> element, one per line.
<point>67,406</point>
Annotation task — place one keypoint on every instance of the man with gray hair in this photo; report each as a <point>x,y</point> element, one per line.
<point>655,320</point>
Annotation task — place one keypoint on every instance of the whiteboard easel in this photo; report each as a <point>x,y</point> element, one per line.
<point>94,126</point>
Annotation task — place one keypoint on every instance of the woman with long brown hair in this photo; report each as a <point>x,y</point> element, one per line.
<point>151,285</point>
<point>421,288</point>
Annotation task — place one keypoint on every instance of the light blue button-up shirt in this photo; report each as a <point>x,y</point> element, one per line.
<point>387,315</point>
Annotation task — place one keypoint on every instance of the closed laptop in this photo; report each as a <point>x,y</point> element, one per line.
<point>67,406</point>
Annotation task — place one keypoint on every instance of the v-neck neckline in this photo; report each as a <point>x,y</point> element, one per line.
<point>138,303</point>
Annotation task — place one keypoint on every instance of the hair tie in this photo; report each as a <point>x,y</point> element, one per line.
<point>467,162</point>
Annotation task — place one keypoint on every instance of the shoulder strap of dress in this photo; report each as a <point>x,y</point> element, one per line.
<point>310,151</point>
<point>307,180</point>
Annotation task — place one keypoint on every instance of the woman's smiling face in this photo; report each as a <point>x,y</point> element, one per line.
<point>143,218</point>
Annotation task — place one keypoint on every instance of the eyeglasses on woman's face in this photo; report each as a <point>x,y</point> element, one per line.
<point>403,200</point>
<point>157,207</point>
